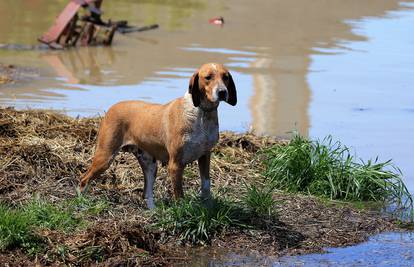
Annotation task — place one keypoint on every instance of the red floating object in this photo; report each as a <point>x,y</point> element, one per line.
<point>216,21</point>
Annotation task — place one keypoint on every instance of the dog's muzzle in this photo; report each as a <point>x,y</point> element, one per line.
<point>222,95</point>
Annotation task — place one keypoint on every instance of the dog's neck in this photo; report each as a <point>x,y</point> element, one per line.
<point>201,112</point>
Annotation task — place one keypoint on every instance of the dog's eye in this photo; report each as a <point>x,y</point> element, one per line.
<point>208,77</point>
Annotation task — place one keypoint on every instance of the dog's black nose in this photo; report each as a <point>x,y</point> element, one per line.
<point>222,95</point>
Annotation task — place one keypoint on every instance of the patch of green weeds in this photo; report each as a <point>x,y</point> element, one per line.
<point>15,230</point>
<point>259,199</point>
<point>50,216</point>
<point>18,224</point>
<point>328,169</point>
<point>198,221</point>
<point>87,205</point>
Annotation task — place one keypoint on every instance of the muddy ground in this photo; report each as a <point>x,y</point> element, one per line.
<point>44,153</point>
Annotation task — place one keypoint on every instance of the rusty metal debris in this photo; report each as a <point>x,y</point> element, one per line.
<point>71,29</point>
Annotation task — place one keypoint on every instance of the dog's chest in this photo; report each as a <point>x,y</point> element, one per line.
<point>200,138</point>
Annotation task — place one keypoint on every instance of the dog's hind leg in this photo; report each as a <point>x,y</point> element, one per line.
<point>149,167</point>
<point>106,150</point>
<point>100,163</point>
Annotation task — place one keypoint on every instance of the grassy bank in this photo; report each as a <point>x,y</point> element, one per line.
<point>42,155</point>
<point>328,169</point>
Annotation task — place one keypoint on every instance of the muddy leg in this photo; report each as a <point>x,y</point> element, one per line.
<point>204,168</point>
<point>149,167</point>
<point>175,170</point>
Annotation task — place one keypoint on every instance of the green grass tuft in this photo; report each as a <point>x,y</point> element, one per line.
<point>197,221</point>
<point>328,169</point>
<point>18,224</point>
<point>87,205</point>
<point>15,230</point>
<point>49,216</point>
<point>259,199</point>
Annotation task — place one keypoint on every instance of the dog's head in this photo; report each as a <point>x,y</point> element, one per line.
<point>211,84</point>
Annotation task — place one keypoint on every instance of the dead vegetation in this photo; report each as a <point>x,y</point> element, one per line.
<point>44,153</point>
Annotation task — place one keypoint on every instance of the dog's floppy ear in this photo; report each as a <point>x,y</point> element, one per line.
<point>194,90</point>
<point>231,87</point>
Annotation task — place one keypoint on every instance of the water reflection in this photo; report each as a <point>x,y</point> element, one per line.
<point>280,101</point>
<point>271,45</point>
<point>276,38</point>
<point>84,66</point>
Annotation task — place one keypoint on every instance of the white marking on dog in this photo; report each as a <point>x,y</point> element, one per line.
<point>215,93</point>
<point>203,133</point>
<point>149,167</point>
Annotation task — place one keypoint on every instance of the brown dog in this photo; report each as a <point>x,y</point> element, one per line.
<point>177,133</point>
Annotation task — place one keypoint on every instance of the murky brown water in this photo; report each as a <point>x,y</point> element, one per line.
<point>340,67</point>
<point>287,58</point>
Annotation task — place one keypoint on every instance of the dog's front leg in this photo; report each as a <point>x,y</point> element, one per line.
<point>149,167</point>
<point>175,170</point>
<point>204,167</point>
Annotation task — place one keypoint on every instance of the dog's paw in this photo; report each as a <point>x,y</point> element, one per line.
<point>82,189</point>
<point>207,201</point>
<point>150,203</point>
<point>206,198</point>
<point>205,195</point>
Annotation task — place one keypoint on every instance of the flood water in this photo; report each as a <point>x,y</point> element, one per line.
<point>339,67</point>
<point>388,249</point>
